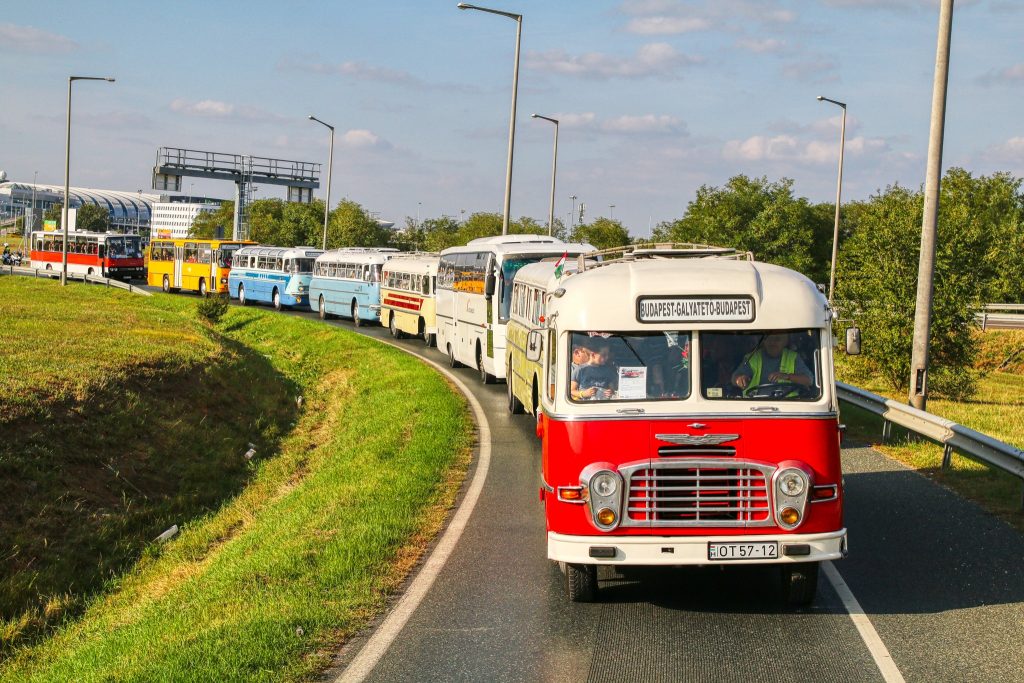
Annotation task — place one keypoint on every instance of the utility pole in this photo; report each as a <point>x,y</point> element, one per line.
<point>933,176</point>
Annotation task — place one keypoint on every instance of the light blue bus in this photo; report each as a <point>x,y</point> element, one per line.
<point>346,282</point>
<point>275,275</point>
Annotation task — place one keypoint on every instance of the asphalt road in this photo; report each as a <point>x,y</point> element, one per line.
<point>940,580</point>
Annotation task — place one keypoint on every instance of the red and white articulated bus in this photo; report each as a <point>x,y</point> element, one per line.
<point>688,417</point>
<point>90,253</point>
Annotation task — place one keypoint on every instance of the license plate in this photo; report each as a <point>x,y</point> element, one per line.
<point>743,551</point>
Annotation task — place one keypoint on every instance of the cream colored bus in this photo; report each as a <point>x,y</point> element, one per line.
<point>407,296</point>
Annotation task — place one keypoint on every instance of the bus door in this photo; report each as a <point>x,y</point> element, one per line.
<point>179,259</point>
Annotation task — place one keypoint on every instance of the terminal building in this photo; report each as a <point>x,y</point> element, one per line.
<point>135,213</point>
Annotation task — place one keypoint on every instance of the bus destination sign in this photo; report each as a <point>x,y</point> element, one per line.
<point>724,309</point>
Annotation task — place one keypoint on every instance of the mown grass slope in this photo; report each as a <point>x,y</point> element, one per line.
<point>266,586</point>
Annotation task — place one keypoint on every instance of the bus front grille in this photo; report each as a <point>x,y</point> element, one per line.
<point>693,493</point>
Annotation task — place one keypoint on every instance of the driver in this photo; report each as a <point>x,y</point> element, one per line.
<point>771,363</point>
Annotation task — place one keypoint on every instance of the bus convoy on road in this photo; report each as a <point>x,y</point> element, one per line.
<point>684,395</point>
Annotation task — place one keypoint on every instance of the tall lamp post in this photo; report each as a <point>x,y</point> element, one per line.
<point>67,171</point>
<point>839,194</point>
<point>554,173</point>
<point>512,119</point>
<point>330,168</point>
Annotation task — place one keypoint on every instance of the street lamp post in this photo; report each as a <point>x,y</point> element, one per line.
<point>554,173</point>
<point>512,119</point>
<point>67,171</point>
<point>330,168</point>
<point>611,212</point>
<point>839,194</point>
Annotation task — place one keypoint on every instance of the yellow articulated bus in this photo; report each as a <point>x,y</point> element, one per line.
<point>191,264</point>
<point>407,296</point>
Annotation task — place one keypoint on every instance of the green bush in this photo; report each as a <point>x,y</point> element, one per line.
<point>213,307</point>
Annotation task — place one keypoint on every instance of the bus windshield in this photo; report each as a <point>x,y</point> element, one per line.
<point>510,265</point>
<point>302,265</point>
<point>777,365</point>
<point>633,366</point>
<point>226,253</point>
<point>115,247</point>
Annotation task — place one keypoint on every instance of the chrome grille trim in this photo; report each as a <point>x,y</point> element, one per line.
<point>693,492</point>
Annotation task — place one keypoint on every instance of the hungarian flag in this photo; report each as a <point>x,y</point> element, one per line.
<point>560,266</point>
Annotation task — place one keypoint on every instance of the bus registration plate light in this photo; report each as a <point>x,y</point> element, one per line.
<point>733,550</point>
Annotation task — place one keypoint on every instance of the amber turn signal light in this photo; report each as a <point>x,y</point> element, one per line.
<point>606,517</point>
<point>789,516</point>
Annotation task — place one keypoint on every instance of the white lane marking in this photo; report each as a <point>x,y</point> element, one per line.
<point>880,653</point>
<point>381,640</point>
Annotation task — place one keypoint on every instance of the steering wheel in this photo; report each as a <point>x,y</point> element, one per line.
<point>775,390</point>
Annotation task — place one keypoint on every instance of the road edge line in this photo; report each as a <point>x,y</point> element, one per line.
<point>385,634</point>
<point>879,652</point>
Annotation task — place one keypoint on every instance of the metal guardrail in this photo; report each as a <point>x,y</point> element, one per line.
<point>950,435</point>
<point>1001,315</point>
<point>55,274</point>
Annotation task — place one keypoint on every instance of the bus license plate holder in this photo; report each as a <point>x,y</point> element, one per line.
<point>740,550</point>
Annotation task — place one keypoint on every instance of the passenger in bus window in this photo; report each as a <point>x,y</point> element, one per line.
<point>580,357</point>
<point>598,379</point>
<point>772,362</point>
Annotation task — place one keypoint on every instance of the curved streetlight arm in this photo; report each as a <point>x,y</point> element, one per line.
<point>554,173</point>
<point>510,15</point>
<point>546,118</point>
<point>330,169</point>
<point>822,98</point>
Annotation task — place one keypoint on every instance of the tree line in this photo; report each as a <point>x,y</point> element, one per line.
<point>979,242</point>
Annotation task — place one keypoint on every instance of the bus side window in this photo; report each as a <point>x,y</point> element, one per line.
<point>551,359</point>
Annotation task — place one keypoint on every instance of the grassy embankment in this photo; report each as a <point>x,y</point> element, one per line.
<point>280,558</point>
<point>996,410</point>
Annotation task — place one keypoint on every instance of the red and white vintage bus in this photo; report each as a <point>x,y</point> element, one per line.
<point>90,253</point>
<point>688,417</point>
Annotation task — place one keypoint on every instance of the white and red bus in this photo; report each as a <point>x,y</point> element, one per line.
<point>697,423</point>
<point>90,253</point>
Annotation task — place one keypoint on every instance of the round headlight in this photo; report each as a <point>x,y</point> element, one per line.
<point>791,483</point>
<point>604,484</point>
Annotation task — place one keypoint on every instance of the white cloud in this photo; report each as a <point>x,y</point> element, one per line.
<point>584,120</point>
<point>761,45</point>
<point>648,123</point>
<point>1011,74</point>
<point>1009,152</point>
<point>648,26</point>
<point>362,138</point>
<point>815,69</point>
<point>362,71</point>
<point>31,40</point>
<point>225,111</point>
<point>790,148</point>
<point>654,59</point>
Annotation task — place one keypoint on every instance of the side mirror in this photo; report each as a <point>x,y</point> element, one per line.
<point>534,344</point>
<point>853,341</point>
<point>489,284</point>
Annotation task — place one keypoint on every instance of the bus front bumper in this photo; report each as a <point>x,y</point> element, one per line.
<point>691,550</point>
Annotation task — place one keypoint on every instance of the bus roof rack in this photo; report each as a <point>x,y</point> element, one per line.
<point>659,250</point>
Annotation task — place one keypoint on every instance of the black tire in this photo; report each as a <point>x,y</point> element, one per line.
<point>356,320</point>
<point>49,267</point>
<point>90,272</point>
<point>275,298</point>
<point>428,339</point>
<point>241,295</point>
<point>581,582</point>
<point>322,308</point>
<point>166,285</point>
<point>799,583</point>
<point>452,363</point>
<point>515,406</point>
<point>202,288</point>
<point>395,332</point>
<point>535,403</point>
<point>485,377</point>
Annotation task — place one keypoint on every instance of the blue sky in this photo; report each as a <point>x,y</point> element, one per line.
<point>656,97</point>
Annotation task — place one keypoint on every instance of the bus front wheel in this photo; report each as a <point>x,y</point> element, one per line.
<point>202,287</point>
<point>395,332</point>
<point>428,339</point>
<point>356,320</point>
<point>485,376</point>
<point>323,308</point>
<point>581,582</point>
<point>452,363</point>
<point>241,295</point>
<point>166,286</point>
<point>276,298</point>
<point>799,583</point>
<point>515,406</point>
